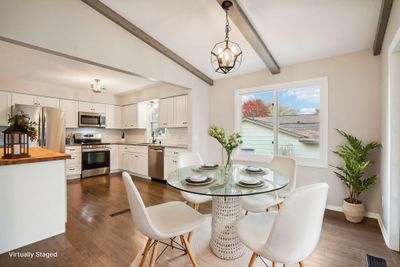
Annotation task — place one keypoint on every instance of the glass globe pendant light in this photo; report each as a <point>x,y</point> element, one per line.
<point>226,56</point>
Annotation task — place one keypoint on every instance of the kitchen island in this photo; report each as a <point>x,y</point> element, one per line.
<point>33,204</point>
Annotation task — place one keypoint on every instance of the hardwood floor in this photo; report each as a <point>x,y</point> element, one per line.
<point>94,238</point>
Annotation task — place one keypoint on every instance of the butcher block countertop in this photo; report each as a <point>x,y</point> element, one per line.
<point>36,155</point>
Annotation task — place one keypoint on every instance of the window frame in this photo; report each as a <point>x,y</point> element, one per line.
<point>322,82</point>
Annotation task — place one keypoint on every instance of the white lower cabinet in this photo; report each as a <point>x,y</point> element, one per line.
<point>74,164</point>
<point>134,159</point>
<point>171,160</point>
<point>114,158</point>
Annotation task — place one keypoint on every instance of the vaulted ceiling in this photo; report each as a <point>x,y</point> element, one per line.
<point>295,31</point>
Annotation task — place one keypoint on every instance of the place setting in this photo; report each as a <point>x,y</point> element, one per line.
<point>250,182</point>
<point>206,167</point>
<point>256,170</point>
<point>199,180</point>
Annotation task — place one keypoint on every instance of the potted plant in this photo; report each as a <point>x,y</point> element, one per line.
<point>354,155</point>
<point>229,143</point>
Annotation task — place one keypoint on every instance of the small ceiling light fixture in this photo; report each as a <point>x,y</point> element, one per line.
<point>226,56</point>
<point>96,88</point>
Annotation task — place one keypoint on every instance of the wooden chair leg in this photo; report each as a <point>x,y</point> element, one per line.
<point>146,250</point>
<point>189,236</point>
<point>279,206</point>
<point>302,264</point>
<point>253,259</point>
<point>247,212</point>
<point>189,251</point>
<point>196,206</point>
<point>274,264</point>
<point>154,254</point>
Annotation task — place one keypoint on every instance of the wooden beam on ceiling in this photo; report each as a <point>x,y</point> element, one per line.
<point>137,32</point>
<point>237,15</point>
<point>384,15</point>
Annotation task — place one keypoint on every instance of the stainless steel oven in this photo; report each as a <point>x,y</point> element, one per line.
<point>95,160</point>
<point>91,119</point>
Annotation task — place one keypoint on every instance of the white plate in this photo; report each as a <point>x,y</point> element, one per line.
<point>254,169</point>
<point>250,181</point>
<point>198,178</point>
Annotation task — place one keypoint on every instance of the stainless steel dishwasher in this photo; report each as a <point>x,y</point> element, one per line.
<point>156,162</point>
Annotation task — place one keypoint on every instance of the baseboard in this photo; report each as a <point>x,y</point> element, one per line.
<point>372,215</point>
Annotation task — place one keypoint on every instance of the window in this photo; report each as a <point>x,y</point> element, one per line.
<point>285,119</point>
<point>153,107</point>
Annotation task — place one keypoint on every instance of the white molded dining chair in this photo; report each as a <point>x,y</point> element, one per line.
<point>290,235</point>
<point>160,222</point>
<point>262,202</point>
<point>186,159</point>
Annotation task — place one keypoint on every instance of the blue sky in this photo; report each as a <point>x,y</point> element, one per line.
<point>305,99</point>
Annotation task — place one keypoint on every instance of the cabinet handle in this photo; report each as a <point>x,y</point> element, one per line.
<point>174,161</point>
<point>164,123</point>
<point>185,122</point>
<point>176,153</point>
<point>71,169</point>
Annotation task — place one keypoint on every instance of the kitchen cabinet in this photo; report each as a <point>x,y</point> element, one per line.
<point>134,159</point>
<point>180,111</point>
<point>113,117</point>
<point>114,158</point>
<point>173,112</point>
<point>129,116</point>
<point>24,99</point>
<point>5,108</point>
<point>91,107</point>
<point>171,160</point>
<point>70,108</point>
<point>166,112</point>
<point>74,164</point>
<point>142,115</point>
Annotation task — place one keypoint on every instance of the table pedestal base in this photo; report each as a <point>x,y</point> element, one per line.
<point>224,242</point>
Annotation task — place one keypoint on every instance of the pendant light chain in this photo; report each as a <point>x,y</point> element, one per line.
<point>227,27</point>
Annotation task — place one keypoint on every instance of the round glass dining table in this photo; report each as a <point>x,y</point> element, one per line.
<point>226,192</point>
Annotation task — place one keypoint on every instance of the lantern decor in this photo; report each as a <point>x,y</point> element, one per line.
<point>17,135</point>
<point>226,56</point>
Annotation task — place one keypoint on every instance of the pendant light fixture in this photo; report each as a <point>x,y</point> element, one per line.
<point>96,88</point>
<point>226,56</point>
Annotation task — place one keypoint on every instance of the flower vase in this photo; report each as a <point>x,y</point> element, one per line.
<point>229,165</point>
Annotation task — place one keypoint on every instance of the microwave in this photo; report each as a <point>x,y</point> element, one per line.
<point>91,119</point>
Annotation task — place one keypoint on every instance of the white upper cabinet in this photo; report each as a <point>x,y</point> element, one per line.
<point>48,102</point>
<point>129,116</point>
<point>5,108</point>
<point>92,107</point>
<point>173,112</point>
<point>35,100</point>
<point>166,112</point>
<point>70,108</point>
<point>113,117</point>
<point>180,111</point>
<point>142,115</point>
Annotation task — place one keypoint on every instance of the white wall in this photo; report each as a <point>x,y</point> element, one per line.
<point>390,136</point>
<point>73,28</point>
<point>354,106</point>
<point>159,91</point>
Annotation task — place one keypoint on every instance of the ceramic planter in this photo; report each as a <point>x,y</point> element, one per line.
<point>354,212</point>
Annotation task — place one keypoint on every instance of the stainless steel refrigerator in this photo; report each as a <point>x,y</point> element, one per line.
<point>50,123</point>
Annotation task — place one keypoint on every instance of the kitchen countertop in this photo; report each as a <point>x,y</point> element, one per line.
<point>37,155</point>
<point>146,144</point>
<point>141,144</point>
